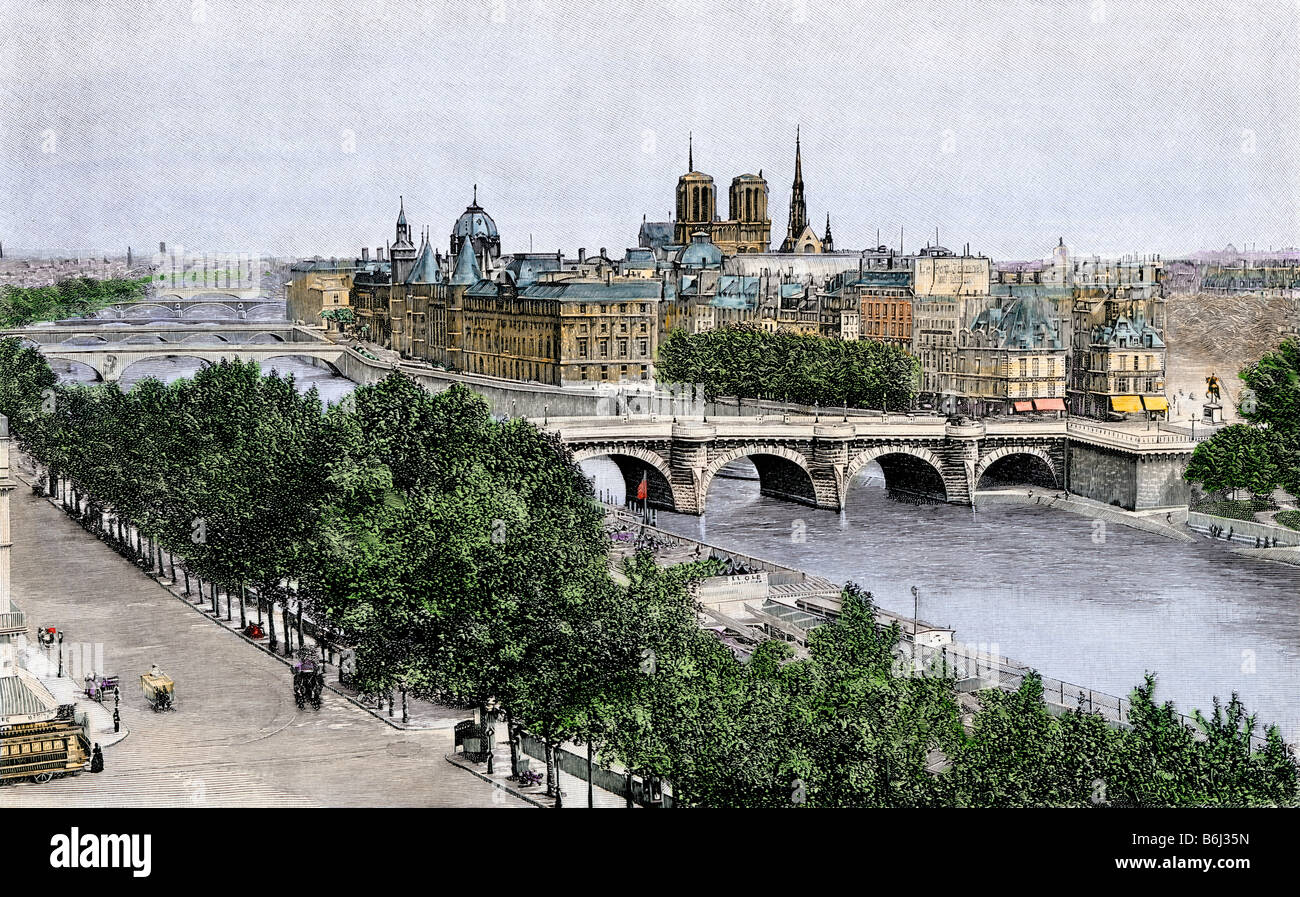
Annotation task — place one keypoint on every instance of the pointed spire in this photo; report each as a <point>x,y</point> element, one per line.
<point>690,151</point>
<point>798,158</point>
<point>467,270</point>
<point>476,194</point>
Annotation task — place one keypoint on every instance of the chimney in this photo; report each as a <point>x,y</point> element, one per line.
<point>379,253</point>
<point>582,255</point>
<point>609,276</point>
<point>365,253</point>
<point>602,253</point>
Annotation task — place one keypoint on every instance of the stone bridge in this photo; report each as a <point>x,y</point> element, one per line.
<point>197,305</point>
<point>109,349</point>
<point>812,461</point>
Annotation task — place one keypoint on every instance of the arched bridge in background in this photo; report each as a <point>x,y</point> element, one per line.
<point>108,350</point>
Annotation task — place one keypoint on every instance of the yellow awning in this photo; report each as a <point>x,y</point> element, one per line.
<point>1156,403</point>
<point>1125,403</point>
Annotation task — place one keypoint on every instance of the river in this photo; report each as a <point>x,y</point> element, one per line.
<point>1097,606</point>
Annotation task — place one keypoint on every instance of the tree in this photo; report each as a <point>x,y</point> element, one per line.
<point>1239,456</point>
<point>745,360</point>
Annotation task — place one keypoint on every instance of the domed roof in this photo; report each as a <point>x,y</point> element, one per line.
<point>700,253</point>
<point>474,222</point>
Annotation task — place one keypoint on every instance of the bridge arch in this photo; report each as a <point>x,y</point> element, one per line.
<point>126,372</point>
<point>194,338</point>
<point>148,311</point>
<point>1021,464</point>
<point>265,311</point>
<point>782,472</point>
<point>634,462</point>
<point>70,370</point>
<point>200,310</point>
<point>266,362</point>
<point>906,468</point>
<point>264,338</point>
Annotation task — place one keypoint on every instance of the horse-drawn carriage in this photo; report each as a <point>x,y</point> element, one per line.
<point>308,679</point>
<point>159,690</point>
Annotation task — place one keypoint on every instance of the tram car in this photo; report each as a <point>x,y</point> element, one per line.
<point>44,749</point>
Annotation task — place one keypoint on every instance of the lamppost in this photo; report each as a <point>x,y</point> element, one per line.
<point>916,622</point>
<point>60,654</point>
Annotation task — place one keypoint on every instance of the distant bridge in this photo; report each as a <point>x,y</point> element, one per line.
<point>811,461</point>
<point>198,304</point>
<point>109,350</point>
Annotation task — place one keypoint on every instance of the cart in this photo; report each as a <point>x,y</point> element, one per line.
<point>159,690</point>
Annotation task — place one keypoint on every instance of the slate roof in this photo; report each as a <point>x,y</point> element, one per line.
<point>597,290</point>
<point>425,269</point>
<point>467,270</point>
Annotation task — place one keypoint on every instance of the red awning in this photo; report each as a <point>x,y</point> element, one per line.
<point>1049,404</point>
<point>1023,406</point>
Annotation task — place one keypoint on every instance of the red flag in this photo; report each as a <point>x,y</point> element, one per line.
<point>642,489</point>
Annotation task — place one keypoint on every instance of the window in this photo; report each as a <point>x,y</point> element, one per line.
<point>622,348</point>
<point>645,346</point>
<point>604,348</point>
<point>582,348</point>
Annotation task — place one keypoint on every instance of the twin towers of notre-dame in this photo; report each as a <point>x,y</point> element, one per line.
<point>747,227</point>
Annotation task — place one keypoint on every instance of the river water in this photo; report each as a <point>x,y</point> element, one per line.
<point>1089,604</point>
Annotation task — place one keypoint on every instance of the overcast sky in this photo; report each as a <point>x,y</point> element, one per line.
<point>292,128</point>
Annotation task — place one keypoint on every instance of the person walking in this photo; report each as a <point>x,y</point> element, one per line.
<point>117,721</point>
<point>97,759</point>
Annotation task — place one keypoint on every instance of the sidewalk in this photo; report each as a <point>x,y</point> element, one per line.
<point>99,717</point>
<point>574,788</point>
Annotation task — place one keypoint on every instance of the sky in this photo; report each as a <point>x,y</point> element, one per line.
<point>292,128</point>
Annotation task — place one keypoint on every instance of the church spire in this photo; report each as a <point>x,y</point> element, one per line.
<point>798,162</point>
<point>798,208</point>
<point>690,151</point>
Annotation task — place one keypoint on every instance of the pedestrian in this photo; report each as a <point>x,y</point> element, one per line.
<point>97,759</point>
<point>117,720</point>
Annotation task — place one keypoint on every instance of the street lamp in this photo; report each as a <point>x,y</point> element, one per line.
<point>916,622</point>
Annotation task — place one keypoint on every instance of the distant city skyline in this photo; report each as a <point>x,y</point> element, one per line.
<point>291,129</point>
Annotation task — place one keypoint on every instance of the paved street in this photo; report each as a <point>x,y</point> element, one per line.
<point>236,737</point>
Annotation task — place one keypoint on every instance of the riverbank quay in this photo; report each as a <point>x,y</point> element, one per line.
<point>1165,522</point>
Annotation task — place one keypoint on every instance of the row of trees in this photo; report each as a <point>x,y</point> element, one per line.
<point>20,306</point>
<point>1264,454</point>
<point>748,361</point>
<point>465,560</point>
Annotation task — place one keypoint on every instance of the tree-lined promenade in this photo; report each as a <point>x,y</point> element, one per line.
<point>465,560</point>
<point>747,361</point>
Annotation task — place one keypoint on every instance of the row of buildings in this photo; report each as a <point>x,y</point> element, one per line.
<point>1083,335</point>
